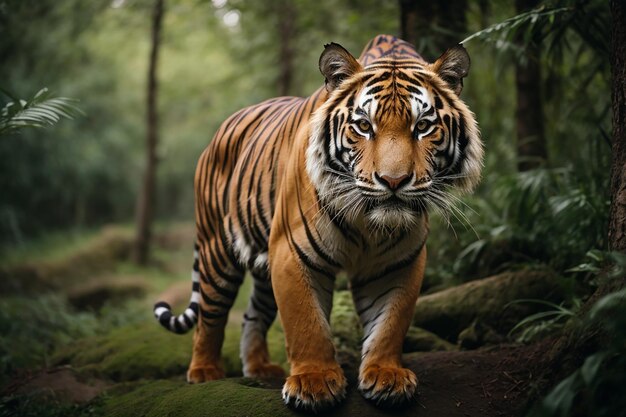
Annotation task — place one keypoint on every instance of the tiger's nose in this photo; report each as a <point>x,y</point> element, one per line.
<point>393,183</point>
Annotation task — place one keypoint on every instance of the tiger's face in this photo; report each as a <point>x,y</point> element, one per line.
<point>392,138</point>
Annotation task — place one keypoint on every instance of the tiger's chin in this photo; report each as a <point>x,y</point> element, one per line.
<point>390,218</point>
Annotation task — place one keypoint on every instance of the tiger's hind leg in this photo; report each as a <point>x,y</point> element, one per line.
<point>220,277</point>
<point>257,320</point>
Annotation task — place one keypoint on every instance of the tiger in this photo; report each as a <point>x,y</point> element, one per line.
<point>296,190</point>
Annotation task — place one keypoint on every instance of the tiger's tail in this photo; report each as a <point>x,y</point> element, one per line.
<point>184,322</point>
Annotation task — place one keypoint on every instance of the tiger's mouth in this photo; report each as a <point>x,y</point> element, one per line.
<point>394,203</point>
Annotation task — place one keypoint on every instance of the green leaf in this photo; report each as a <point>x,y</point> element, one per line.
<point>591,366</point>
<point>562,396</point>
<point>40,111</point>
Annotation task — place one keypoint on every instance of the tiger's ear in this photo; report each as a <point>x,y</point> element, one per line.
<point>452,66</point>
<point>336,64</point>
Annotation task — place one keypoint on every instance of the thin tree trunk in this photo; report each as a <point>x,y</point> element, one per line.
<point>617,217</point>
<point>531,142</point>
<point>146,197</point>
<point>286,14</point>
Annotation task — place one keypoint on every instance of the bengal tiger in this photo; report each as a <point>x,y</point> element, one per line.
<point>296,190</point>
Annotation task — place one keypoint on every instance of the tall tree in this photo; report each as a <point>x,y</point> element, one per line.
<point>433,26</point>
<point>617,217</point>
<point>531,141</point>
<point>286,14</point>
<point>145,202</point>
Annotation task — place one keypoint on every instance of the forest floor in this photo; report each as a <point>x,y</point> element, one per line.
<point>79,339</point>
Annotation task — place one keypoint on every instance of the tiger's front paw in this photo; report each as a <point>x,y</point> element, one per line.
<point>198,374</point>
<point>388,386</point>
<point>315,391</point>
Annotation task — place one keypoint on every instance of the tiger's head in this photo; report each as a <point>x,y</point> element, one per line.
<point>392,138</point>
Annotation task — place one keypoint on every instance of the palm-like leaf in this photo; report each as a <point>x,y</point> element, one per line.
<point>41,111</point>
<point>550,23</point>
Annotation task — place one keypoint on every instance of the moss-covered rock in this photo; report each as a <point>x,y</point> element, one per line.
<point>99,253</point>
<point>420,340</point>
<point>112,289</point>
<point>131,352</point>
<point>226,397</point>
<point>487,301</point>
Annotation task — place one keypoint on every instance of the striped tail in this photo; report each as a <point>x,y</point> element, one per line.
<point>183,323</point>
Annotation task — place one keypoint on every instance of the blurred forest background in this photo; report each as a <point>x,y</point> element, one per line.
<point>540,85</point>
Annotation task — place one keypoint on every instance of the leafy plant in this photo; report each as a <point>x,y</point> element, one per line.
<point>544,322</point>
<point>544,216</point>
<point>595,389</point>
<point>40,111</point>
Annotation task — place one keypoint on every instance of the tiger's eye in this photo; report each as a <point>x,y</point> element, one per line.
<point>364,125</point>
<point>422,125</point>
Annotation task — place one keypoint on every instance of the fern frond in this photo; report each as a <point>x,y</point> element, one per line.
<point>40,111</point>
<point>505,30</point>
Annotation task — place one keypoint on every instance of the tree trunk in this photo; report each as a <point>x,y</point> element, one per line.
<point>531,142</point>
<point>146,197</point>
<point>286,14</point>
<point>433,26</point>
<point>617,217</point>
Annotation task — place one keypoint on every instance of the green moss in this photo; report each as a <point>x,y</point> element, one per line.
<point>43,405</point>
<point>132,352</point>
<point>145,350</point>
<point>227,397</point>
<point>346,328</point>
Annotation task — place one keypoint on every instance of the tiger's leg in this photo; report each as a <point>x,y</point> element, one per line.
<point>220,278</point>
<point>317,381</point>
<point>257,319</point>
<point>385,307</point>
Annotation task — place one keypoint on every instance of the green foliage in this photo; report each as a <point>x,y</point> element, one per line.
<point>546,216</point>
<point>545,322</point>
<point>40,111</point>
<point>549,24</point>
<point>596,388</point>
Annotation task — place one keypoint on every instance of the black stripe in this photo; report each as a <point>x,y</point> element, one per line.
<point>403,263</point>
<point>194,307</point>
<point>162,304</point>
<point>188,321</point>
<point>363,310</point>
<point>210,301</point>
<point>212,315</point>
<point>312,241</point>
